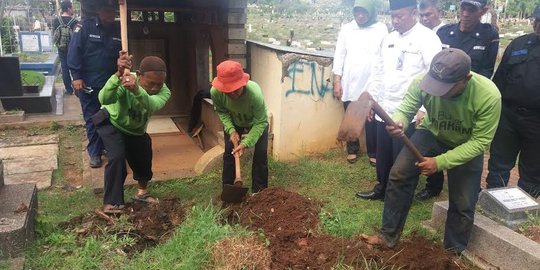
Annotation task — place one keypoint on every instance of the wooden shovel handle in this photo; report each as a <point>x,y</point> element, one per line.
<point>122,6</point>
<point>387,119</point>
<point>237,164</point>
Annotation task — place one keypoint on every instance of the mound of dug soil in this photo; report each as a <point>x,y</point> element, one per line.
<point>289,222</point>
<point>148,224</point>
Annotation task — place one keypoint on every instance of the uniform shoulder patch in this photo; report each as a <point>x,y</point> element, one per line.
<point>78,27</point>
<point>446,29</point>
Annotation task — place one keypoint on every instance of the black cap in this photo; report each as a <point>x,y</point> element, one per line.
<point>107,4</point>
<point>399,4</point>
<point>536,13</point>
<point>447,68</point>
<point>476,3</point>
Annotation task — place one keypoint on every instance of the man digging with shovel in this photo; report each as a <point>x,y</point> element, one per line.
<point>128,101</point>
<point>463,110</point>
<point>240,105</point>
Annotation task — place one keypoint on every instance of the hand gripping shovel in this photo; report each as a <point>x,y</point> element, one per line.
<point>234,193</point>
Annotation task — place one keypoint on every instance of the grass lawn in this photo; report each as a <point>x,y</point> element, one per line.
<point>327,178</point>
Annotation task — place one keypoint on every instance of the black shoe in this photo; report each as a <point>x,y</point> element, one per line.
<point>370,195</point>
<point>425,195</point>
<point>95,162</point>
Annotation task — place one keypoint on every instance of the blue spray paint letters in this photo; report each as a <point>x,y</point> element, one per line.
<point>318,86</point>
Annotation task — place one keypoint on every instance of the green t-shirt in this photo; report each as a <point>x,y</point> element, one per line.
<point>248,111</point>
<point>130,112</point>
<point>466,123</point>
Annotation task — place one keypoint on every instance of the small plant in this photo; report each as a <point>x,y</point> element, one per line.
<point>532,221</point>
<point>262,237</point>
<point>55,126</point>
<point>73,129</point>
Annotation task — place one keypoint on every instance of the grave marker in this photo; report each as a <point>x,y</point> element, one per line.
<point>10,79</point>
<point>29,42</point>
<point>511,206</point>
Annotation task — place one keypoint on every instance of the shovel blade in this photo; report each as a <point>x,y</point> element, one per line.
<point>355,117</point>
<point>233,193</point>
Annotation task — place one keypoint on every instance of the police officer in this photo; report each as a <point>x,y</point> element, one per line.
<point>519,127</point>
<point>481,42</point>
<point>92,55</point>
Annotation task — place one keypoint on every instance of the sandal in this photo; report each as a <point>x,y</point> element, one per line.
<point>352,158</point>
<point>145,198</point>
<point>113,209</point>
<point>373,162</point>
<point>373,240</point>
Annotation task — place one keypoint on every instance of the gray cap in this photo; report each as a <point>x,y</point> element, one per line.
<point>447,68</point>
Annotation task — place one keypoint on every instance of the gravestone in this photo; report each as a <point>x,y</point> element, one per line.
<point>10,79</point>
<point>29,41</point>
<point>18,206</point>
<point>509,205</point>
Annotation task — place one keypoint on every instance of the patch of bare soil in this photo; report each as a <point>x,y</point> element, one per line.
<point>533,233</point>
<point>289,223</point>
<point>71,160</point>
<point>147,224</point>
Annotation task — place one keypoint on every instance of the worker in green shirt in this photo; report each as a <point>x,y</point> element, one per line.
<point>127,103</point>
<point>239,103</point>
<point>463,110</point>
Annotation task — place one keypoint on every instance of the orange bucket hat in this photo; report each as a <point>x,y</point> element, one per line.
<point>230,77</point>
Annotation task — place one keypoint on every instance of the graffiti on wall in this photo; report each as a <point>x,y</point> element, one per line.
<point>318,85</point>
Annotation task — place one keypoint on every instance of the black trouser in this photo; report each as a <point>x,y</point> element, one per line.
<point>371,138</point>
<point>196,108</point>
<point>136,150</point>
<point>518,133</point>
<point>463,186</point>
<point>390,148</point>
<point>435,182</point>
<point>387,150</point>
<point>259,166</point>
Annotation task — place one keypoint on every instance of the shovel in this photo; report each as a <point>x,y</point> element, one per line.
<point>356,116</point>
<point>235,193</point>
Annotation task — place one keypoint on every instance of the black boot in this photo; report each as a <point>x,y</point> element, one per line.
<point>370,195</point>
<point>425,195</point>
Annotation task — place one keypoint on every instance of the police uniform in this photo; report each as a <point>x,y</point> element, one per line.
<point>481,45</point>
<point>519,127</point>
<point>93,51</point>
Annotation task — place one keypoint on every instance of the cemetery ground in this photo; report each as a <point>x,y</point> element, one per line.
<point>308,218</point>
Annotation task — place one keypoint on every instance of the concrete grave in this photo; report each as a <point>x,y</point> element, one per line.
<point>42,102</point>
<point>35,41</point>
<point>12,94</point>
<point>509,205</point>
<point>493,244</point>
<point>10,81</point>
<point>29,159</point>
<point>18,204</point>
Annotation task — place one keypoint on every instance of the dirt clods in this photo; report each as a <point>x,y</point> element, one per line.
<point>288,224</point>
<point>147,224</point>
